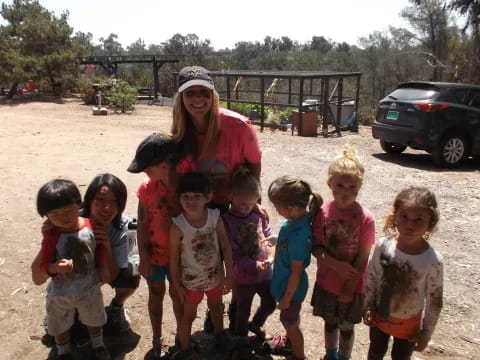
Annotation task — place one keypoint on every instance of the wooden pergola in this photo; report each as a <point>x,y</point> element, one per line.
<point>110,63</point>
<point>326,87</point>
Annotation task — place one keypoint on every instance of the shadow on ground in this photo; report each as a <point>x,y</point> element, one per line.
<point>424,162</point>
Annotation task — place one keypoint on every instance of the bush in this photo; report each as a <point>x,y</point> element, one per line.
<point>122,97</point>
<point>367,114</point>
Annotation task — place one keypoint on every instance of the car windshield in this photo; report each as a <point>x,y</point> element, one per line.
<point>413,94</point>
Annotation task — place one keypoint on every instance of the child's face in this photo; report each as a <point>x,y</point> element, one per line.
<point>242,204</point>
<point>159,171</point>
<point>345,189</point>
<point>65,218</point>
<point>193,203</point>
<point>412,223</point>
<point>104,206</point>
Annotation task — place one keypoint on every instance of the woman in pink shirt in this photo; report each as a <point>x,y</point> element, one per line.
<point>215,140</point>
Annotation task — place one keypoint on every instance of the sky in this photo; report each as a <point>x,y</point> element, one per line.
<point>226,22</point>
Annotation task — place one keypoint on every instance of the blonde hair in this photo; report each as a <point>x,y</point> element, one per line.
<point>292,191</point>
<point>413,197</point>
<point>347,164</point>
<point>183,130</point>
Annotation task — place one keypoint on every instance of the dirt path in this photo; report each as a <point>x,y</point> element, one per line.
<point>40,141</point>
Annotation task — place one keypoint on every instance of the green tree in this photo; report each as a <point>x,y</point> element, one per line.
<point>35,44</point>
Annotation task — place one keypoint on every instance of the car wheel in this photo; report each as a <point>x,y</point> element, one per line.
<point>392,148</point>
<point>451,151</point>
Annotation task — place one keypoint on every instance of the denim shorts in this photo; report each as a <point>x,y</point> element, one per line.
<point>159,273</point>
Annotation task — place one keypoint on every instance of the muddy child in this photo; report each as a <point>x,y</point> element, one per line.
<point>251,240</point>
<point>291,197</point>
<point>405,278</point>
<point>71,257</point>
<point>157,156</point>
<point>344,233</point>
<point>200,258</point>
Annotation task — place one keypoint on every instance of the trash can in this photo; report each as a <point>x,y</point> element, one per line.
<point>309,122</point>
<point>348,107</point>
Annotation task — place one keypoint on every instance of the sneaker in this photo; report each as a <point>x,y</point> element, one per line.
<point>159,350</point>
<point>101,353</point>
<point>259,332</point>
<point>280,345</point>
<point>221,341</point>
<point>117,318</point>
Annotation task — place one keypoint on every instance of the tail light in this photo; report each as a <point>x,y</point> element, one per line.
<point>426,107</point>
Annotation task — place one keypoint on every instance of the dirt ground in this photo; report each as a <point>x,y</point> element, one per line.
<point>43,140</point>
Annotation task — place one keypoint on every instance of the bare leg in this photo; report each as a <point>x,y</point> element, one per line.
<point>156,293</point>
<point>122,294</point>
<point>296,337</point>
<point>216,312</point>
<point>177,306</point>
<point>189,315</point>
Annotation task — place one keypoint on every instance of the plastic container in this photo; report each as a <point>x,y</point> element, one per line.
<point>133,255</point>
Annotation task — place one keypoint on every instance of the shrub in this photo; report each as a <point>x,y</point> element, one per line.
<point>122,96</point>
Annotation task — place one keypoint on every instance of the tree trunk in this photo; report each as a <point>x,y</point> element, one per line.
<point>12,91</point>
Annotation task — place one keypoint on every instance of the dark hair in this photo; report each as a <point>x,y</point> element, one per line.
<point>292,191</point>
<point>115,185</point>
<point>194,182</point>
<point>56,194</point>
<point>415,197</point>
<point>243,181</point>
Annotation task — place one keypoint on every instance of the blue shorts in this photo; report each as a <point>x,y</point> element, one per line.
<point>159,273</point>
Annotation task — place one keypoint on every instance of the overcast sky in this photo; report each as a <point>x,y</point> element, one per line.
<point>227,22</point>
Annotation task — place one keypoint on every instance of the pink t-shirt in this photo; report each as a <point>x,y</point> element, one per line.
<point>237,145</point>
<point>342,232</point>
<point>161,204</point>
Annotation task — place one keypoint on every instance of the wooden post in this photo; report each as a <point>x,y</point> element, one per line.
<point>325,108</point>
<point>289,90</point>
<point>228,92</point>
<point>339,104</point>
<point>156,84</point>
<point>300,104</point>
<point>262,99</point>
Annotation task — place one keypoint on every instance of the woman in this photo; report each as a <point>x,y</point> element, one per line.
<point>215,140</point>
<point>103,203</point>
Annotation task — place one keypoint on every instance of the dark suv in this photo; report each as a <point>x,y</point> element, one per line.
<point>441,118</point>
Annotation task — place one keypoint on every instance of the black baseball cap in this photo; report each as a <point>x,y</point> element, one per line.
<point>194,75</point>
<point>154,149</point>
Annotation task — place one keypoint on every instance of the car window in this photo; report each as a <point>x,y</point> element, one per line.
<point>413,94</point>
<point>474,98</point>
<point>459,95</point>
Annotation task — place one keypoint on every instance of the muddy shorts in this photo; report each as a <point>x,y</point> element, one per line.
<point>61,310</point>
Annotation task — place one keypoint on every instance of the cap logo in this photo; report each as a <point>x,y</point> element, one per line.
<point>195,73</point>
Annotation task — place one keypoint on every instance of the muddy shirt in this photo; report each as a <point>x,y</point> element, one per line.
<point>161,204</point>
<point>201,265</point>
<point>341,233</point>
<point>246,235</point>
<point>79,246</point>
<point>401,286</point>
<point>236,146</point>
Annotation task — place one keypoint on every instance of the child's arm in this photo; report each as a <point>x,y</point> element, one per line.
<point>38,277</point>
<point>293,281</point>
<point>345,270</point>
<point>359,264</point>
<point>175,250</point>
<point>47,256</point>
<point>101,239</point>
<point>145,268</point>
<point>226,252</point>
<point>433,306</point>
<point>374,272</point>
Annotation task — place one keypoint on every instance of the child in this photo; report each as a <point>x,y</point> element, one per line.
<point>405,278</point>
<point>197,243</point>
<point>291,196</point>
<point>249,235</point>
<point>156,156</point>
<point>69,255</point>
<point>344,233</point>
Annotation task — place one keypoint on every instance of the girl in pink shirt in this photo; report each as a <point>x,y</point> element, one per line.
<point>344,232</point>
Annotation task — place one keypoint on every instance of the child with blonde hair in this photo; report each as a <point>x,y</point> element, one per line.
<point>405,278</point>
<point>291,196</point>
<point>344,233</point>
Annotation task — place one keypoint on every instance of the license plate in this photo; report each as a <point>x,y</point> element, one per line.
<point>392,115</point>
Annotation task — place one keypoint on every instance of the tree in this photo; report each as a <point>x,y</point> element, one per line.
<point>430,20</point>
<point>471,8</point>
<point>35,44</point>
<point>321,44</point>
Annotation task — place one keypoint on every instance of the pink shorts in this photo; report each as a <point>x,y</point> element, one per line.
<point>196,296</point>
